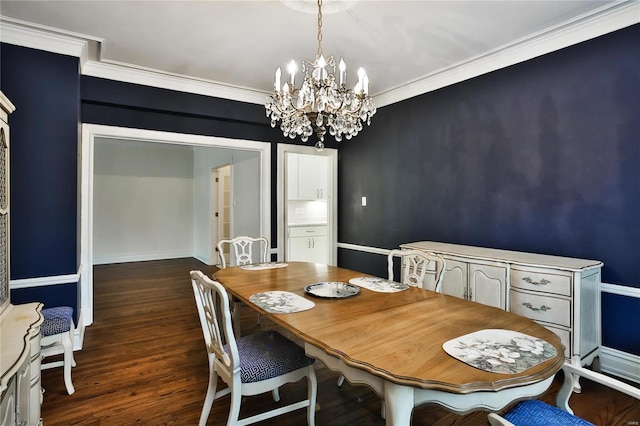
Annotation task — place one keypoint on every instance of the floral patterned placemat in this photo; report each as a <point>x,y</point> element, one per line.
<point>378,284</point>
<point>261,266</point>
<point>500,351</point>
<point>281,302</point>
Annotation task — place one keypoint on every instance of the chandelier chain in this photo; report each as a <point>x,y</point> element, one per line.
<point>319,28</point>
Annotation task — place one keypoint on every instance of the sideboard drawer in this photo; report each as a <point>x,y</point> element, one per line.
<point>541,308</point>
<point>547,282</point>
<point>565,338</point>
<point>307,231</point>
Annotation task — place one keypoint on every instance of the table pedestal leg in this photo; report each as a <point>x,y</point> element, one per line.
<point>399,401</point>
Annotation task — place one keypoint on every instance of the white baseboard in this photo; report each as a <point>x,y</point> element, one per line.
<point>140,257</point>
<point>621,364</point>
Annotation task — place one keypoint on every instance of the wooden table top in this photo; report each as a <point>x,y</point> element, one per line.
<point>396,336</point>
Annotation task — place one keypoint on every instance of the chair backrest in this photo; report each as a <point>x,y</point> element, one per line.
<point>215,318</point>
<point>418,268</point>
<point>243,250</point>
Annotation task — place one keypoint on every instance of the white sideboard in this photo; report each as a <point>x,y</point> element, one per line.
<point>561,293</point>
<point>307,244</point>
<point>20,391</point>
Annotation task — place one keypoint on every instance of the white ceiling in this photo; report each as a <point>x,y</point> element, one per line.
<point>240,43</point>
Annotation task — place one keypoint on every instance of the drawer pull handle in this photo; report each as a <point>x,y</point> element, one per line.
<point>541,282</point>
<point>543,308</point>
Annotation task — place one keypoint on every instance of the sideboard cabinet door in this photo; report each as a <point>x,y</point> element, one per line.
<point>488,284</point>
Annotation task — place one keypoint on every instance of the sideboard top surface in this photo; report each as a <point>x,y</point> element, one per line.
<point>516,257</point>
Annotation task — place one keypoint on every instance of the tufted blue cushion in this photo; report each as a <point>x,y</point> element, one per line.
<point>269,354</point>
<point>56,320</point>
<point>538,413</point>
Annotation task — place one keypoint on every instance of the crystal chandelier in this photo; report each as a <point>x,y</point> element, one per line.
<point>322,101</point>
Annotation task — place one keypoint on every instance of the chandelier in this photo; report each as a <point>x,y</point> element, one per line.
<point>322,101</point>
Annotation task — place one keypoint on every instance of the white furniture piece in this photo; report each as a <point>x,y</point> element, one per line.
<point>57,338</point>
<point>6,108</point>
<point>243,254</point>
<point>418,268</point>
<point>310,185</point>
<point>243,250</point>
<point>251,365</point>
<point>20,391</point>
<point>535,412</point>
<point>561,293</point>
<point>307,244</point>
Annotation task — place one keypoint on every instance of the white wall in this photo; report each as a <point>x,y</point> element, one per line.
<point>143,201</point>
<point>153,200</point>
<point>246,212</point>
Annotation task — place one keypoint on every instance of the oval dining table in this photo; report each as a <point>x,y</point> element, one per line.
<point>393,342</point>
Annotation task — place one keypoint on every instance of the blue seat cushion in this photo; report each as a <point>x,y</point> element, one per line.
<point>269,354</point>
<point>538,413</point>
<point>56,320</point>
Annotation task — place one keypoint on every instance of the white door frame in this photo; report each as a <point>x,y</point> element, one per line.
<point>92,131</point>
<point>332,214</point>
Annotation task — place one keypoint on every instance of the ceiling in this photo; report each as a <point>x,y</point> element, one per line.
<point>240,43</point>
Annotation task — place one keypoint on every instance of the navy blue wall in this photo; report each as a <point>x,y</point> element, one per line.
<point>541,157</point>
<point>45,89</point>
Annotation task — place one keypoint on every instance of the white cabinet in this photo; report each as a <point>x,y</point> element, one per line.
<point>307,177</point>
<point>20,395</point>
<point>477,282</point>
<point>307,244</point>
<point>561,293</point>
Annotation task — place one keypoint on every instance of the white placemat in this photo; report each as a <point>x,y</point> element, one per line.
<point>262,266</point>
<point>378,284</point>
<point>500,351</point>
<point>281,302</point>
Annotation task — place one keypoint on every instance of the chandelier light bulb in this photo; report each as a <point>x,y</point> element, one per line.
<point>292,68</point>
<point>276,84</point>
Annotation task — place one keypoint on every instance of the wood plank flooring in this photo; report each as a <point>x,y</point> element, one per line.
<point>144,363</point>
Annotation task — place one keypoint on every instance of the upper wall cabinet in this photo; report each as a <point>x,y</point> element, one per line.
<point>306,177</point>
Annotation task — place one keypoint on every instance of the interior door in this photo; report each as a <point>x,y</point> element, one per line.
<point>222,215</point>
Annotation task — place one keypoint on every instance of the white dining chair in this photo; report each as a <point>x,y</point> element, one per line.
<point>57,338</point>
<point>418,268</point>
<point>537,413</point>
<point>250,365</point>
<point>243,249</point>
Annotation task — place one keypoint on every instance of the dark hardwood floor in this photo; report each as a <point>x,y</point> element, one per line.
<point>144,363</point>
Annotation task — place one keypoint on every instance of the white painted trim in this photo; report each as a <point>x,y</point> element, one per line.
<point>44,281</point>
<point>365,249</point>
<point>609,18</point>
<point>620,290</point>
<point>28,34</point>
<point>92,131</point>
<point>181,83</point>
<point>621,364</point>
<point>141,257</point>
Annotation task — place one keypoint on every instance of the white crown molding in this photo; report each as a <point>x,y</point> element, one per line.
<point>180,83</point>
<point>26,34</point>
<point>606,20</point>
